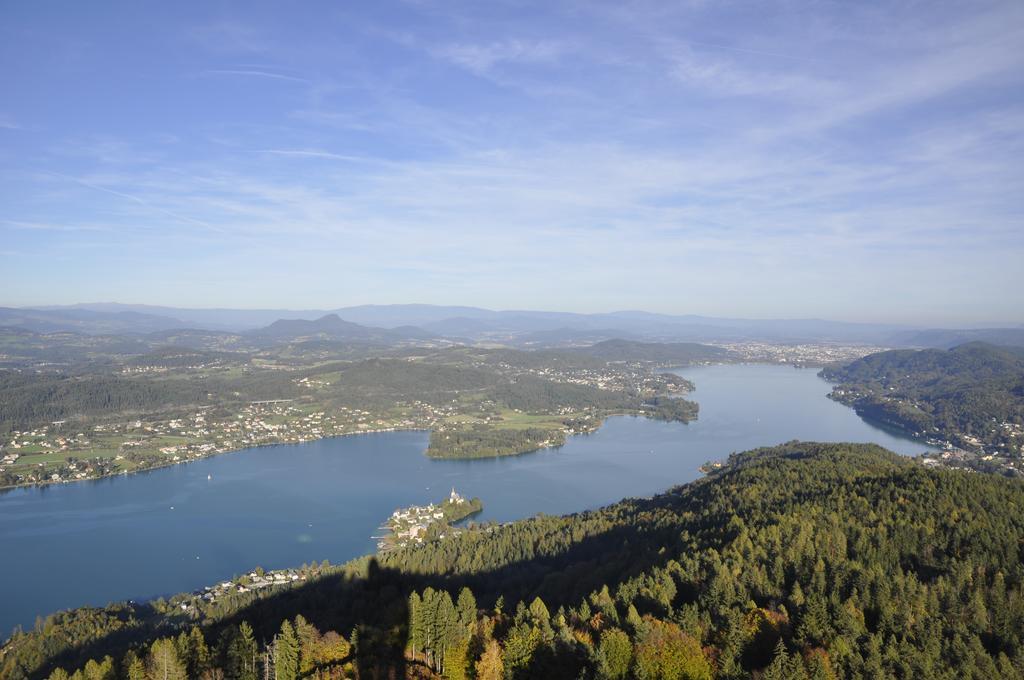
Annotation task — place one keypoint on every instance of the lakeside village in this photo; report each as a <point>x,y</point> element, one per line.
<point>72,450</point>
<point>956,450</point>
<point>967,452</point>
<point>419,523</point>
<point>54,453</point>
<point>414,525</point>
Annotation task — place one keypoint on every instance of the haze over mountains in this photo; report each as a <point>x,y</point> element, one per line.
<point>389,324</point>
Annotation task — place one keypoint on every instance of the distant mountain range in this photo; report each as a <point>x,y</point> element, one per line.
<point>389,324</point>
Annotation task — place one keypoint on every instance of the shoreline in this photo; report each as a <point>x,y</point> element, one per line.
<point>161,466</point>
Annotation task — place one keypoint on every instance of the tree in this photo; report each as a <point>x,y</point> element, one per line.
<point>441,625</point>
<point>163,662</point>
<point>134,668</point>
<point>466,608</point>
<point>456,660</point>
<point>286,653</point>
<point>520,644</point>
<point>634,620</point>
<point>616,654</point>
<point>309,644</point>
<point>333,648</point>
<point>539,612</point>
<point>417,632</point>
<point>102,670</point>
<point>240,657</point>
<point>491,664</point>
<point>193,652</point>
<point>665,652</point>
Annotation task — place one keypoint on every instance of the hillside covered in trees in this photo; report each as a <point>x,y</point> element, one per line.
<point>803,561</point>
<point>971,395</point>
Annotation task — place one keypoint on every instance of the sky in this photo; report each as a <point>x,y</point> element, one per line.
<point>860,161</point>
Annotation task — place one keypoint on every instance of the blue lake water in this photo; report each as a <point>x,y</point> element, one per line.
<point>175,529</point>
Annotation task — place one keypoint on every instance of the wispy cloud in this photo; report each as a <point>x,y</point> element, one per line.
<point>315,153</point>
<point>148,204</point>
<point>722,77</point>
<point>483,58</point>
<point>254,74</point>
<point>49,226</point>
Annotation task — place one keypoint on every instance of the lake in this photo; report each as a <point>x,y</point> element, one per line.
<point>184,527</point>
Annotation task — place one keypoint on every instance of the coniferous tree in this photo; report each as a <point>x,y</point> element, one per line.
<point>467,608</point>
<point>417,631</point>
<point>241,653</point>
<point>286,653</point>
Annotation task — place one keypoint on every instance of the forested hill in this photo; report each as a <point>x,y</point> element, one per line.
<point>972,394</point>
<point>667,353</point>
<point>799,561</point>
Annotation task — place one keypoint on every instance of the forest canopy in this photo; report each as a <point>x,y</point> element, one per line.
<point>798,561</point>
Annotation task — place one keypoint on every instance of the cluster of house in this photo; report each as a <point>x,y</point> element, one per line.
<point>604,379</point>
<point>812,354</point>
<point>411,524</point>
<point>252,581</point>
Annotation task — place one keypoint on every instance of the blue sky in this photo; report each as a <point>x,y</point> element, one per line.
<point>845,160</point>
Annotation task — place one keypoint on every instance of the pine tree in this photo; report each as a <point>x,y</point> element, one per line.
<point>539,612</point>
<point>417,633</point>
<point>445,626</point>
<point>196,656</point>
<point>778,668</point>
<point>466,607</point>
<point>633,619</point>
<point>243,653</point>
<point>286,653</point>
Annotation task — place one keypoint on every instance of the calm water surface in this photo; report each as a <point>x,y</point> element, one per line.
<point>174,530</point>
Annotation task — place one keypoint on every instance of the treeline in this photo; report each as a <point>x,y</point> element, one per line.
<point>533,394</point>
<point>391,380</point>
<point>796,562</point>
<point>671,408</point>
<point>968,390</point>
<point>299,650</point>
<point>28,399</point>
<point>483,441</point>
<point>182,357</point>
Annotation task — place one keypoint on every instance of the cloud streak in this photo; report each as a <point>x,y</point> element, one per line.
<point>252,73</point>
